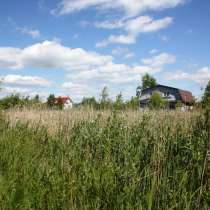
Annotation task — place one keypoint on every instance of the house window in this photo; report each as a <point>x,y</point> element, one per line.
<point>166,94</point>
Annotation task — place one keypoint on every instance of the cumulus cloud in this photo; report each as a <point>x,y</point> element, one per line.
<point>50,54</point>
<point>132,27</point>
<point>122,73</point>
<point>84,69</point>
<point>153,51</point>
<point>123,52</point>
<point>20,80</point>
<point>159,60</point>
<point>130,8</point>
<point>201,76</point>
<point>15,90</point>
<point>77,90</point>
<point>121,39</point>
<point>23,92</point>
<point>34,33</point>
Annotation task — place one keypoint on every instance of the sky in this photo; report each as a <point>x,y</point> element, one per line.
<point>76,47</point>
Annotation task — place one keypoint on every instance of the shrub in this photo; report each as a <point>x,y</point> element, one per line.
<point>156,101</point>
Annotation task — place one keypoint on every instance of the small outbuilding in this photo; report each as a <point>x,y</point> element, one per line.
<point>64,101</point>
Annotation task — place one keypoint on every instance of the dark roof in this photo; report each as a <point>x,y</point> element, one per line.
<point>186,96</point>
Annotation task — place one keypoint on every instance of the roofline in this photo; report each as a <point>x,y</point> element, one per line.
<point>159,85</point>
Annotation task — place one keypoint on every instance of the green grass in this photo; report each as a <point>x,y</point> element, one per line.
<point>106,164</point>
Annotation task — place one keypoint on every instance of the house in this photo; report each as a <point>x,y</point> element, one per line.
<point>65,102</point>
<point>170,94</point>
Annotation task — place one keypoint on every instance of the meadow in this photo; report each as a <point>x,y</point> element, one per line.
<point>84,159</point>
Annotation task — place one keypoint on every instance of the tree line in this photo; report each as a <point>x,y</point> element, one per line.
<point>104,102</point>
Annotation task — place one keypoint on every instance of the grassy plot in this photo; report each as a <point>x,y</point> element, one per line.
<point>158,161</point>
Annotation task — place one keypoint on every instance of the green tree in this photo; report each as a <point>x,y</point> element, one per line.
<point>133,103</point>
<point>206,104</point>
<point>51,101</point>
<point>104,94</point>
<point>206,97</point>
<point>118,104</point>
<point>12,101</point>
<point>147,81</point>
<point>90,102</point>
<point>36,99</point>
<point>105,102</point>
<point>156,101</point>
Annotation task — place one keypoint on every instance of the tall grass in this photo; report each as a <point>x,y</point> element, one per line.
<point>106,160</point>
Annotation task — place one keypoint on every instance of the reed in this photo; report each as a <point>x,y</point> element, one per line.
<point>84,159</point>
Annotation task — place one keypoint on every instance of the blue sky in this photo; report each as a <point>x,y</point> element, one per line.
<point>76,47</point>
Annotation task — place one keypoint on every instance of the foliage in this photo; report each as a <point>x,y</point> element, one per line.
<point>119,104</point>
<point>156,101</point>
<point>89,102</point>
<point>147,81</point>
<point>104,95</point>
<point>206,105</point>
<point>51,101</point>
<point>206,97</point>
<point>16,100</point>
<point>105,102</point>
<point>105,164</point>
<point>132,104</point>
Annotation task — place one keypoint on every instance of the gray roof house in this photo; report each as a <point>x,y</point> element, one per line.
<point>170,94</point>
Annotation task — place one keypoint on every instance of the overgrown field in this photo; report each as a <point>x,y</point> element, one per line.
<point>89,160</point>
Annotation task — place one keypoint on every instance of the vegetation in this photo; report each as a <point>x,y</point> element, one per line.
<point>88,159</point>
<point>206,96</point>
<point>156,101</point>
<point>16,100</point>
<point>206,105</point>
<point>155,160</point>
<point>147,81</point>
<point>51,101</point>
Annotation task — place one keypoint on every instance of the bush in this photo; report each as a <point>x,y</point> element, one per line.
<point>156,101</point>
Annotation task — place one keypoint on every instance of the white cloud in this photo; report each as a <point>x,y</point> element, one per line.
<point>15,90</point>
<point>85,70</point>
<point>164,38</point>
<point>50,54</point>
<point>144,24</point>
<point>133,27</point>
<point>119,39</point>
<point>153,51</point>
<point>201,76</point>
<point>23,92</point>
<point>123,52</point>
<point>77,91</point>
<point>34,33</point>
<point>130,8</point>
<point>74,87</point>
<point>159,60</point>
<point>19,80</point>
<point>113,73</point>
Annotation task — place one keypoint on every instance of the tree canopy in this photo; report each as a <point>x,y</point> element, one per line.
<point>206,96</point>
<point>148,81</point>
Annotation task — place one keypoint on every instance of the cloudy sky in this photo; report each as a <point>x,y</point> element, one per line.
<point>76,47</point>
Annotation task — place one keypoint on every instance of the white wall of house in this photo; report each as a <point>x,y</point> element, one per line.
<point>68,104</point>
<point>168,97</point>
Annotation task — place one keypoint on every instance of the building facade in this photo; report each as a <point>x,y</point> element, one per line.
<point>170,94</point>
